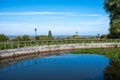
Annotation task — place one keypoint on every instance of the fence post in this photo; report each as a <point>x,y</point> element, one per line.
<point>18,45</point>
<point>4,45</point>
<point>25,44</point>
<point>12,45</point>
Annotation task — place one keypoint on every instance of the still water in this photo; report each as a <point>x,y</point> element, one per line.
<point>57,67</point>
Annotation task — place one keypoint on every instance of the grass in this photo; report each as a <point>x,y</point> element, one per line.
<point>112,53</point>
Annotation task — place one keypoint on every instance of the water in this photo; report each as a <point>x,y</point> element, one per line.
<point>60,67</point>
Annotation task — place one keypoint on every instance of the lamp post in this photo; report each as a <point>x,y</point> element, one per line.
<point>35,33</point>
<point>76,33</point>
<point>76,36</point>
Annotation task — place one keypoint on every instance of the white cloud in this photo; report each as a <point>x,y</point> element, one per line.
<point>56,17</point>
<point>86,15</point>
<point>49,13</point>
<point>34,13</point>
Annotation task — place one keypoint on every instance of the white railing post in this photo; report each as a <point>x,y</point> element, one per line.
<point>12,45</point>
<point>4,45</point>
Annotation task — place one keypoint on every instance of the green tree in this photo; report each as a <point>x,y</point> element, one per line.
<point>50,37</point>
<point>3,37</point>
<point>43,37</point>
<point>113,8</point>
<point>25,38</point>
<point>98,35</point>
<point>18,38</point>
<point>104,36</point>
<point>112,69</point>
<point>49,33</point>
<point>69,37</point>
<point>75,37</point>
<point>37,37</point>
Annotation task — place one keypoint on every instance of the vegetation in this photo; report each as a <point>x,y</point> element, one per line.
<point>113,8</point>
<point>113,53</point>
<point>18,38</point>
<point>104,36</point>
<point>73,37</point>
<point>112,72</point>
<point>49,33</point>
<point>44,40</point>
<point>44,37</point>
<point>50,37</point>
<point>27,41</point>
<point>3,37</point>
<point>26,38</point>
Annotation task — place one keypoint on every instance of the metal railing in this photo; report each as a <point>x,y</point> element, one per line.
<point>23,44</point>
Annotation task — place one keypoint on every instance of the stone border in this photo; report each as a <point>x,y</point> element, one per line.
<point>51,48</point>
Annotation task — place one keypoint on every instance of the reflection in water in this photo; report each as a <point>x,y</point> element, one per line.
<point>112,72</point>
<point>10,61</point>
<point>60,67</point>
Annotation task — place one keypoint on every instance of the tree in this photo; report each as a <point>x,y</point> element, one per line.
<point>104,36</point>
<point>25,38</point>
<point>18,38</point>
<point>37,37</point>
<point>43,37</point>
<point>112,72</point>
<point>49,33</point>
<point>69,37</point>
<point>3,37</point>
<point>98,36</point>
<point>50,37</point>
<point>113,8</point>
<point>75,37</point>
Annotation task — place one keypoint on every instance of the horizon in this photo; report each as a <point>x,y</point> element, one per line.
<point>62,17</point>
<point>14,36</point>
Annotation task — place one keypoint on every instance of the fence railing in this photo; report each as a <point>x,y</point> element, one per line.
<point>22,44</point>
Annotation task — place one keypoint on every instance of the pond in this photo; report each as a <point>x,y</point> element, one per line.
<point>58,67</point>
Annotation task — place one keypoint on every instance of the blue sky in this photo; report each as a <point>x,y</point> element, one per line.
<point>62,17</point>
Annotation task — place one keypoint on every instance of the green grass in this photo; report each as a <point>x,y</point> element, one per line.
<point>112,53</point>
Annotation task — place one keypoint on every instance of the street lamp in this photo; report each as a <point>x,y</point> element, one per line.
<point>76,33</point>
<point>76,36</point>
<point>35,33</point>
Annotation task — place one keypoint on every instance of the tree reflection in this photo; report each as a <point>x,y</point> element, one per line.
<point>112,72</point>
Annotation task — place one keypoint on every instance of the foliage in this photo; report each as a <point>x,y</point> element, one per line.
<point>68,37</point>
<point>112,69</point>
<point>18,38</point>
<point>3,37</point>
<point>76,37</point>
<point>104,36</point>
<point>25,38</point>
<point>98,35</point>
<point>113,8</point>
<point>73,37</point>
<point>44,37</point>
<point>49,33</point>
<point>113,53</point>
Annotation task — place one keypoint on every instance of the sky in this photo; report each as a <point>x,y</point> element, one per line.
<point>62,17</point>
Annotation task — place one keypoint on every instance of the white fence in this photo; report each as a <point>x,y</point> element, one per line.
<point>28,50</point>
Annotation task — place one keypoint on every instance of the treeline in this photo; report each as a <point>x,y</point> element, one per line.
<point>4,38</point>
<point>113,8</point>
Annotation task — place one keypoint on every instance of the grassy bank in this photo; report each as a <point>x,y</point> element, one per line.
<point>113,53</point>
